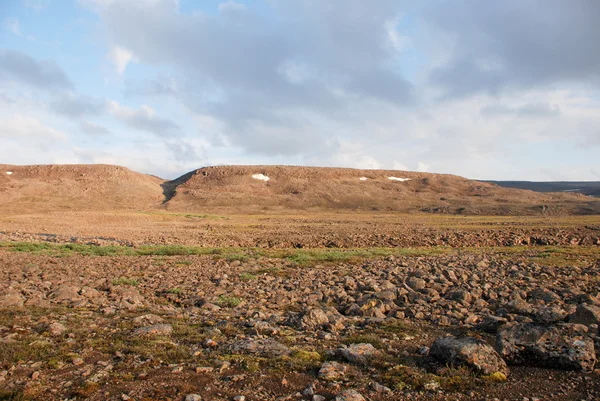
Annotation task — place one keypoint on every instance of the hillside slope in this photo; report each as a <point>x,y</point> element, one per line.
<point>288,187</point>
<point>47,188</point>
<point>41,188</point>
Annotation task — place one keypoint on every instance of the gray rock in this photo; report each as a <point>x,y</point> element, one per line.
<point>491,324</point>
<point>349,395</point>
<point>56,329</point>
<point>267,348</point>
<point>586,314</point>
<point>360,354</point>
<point>332,371</point>
<point>468,351</point>
<point>549,314</point>
<point>11,299</point>
<point>416,283</point>
<point>312,319</point>
<point>563,346</point>
<point>193,397</point>
<point>154,330</point>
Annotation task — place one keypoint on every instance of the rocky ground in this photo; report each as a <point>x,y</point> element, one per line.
<point>466,325</point>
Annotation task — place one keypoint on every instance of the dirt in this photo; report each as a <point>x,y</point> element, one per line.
<point>104,187</point>
<point>115,285</point>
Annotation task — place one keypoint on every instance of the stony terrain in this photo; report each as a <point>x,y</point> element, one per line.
<point>115,285</point>
<point>81,326</point>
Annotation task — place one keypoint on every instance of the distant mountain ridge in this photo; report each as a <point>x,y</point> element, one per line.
<point>590,188</point>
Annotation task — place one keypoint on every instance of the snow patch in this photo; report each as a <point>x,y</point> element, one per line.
<point>9,172</point>
<point>363,178</point>
<point>398,179</point>
<point>261,177</point>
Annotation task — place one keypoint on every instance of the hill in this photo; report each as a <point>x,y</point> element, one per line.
<point>290,187</point>
<point>590,188</point>
<point>46,188</point>
<point>41,188</point>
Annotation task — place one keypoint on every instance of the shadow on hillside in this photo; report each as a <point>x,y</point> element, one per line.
<point>170,187</point>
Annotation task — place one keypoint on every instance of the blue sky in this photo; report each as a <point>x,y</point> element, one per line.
<point>490,90</point>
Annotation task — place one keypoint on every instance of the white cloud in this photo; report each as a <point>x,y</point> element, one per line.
<point>120,58</point>
<point>231,7</point>
<point>12,25</point>
<point>20,126</point>
<point>143,119</point>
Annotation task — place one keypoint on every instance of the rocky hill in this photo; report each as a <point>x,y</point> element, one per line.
<point>288,187</point>
<point>44,188</point>
<point>41,188</point>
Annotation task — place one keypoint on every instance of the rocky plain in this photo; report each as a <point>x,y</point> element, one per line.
<point>321,305</point>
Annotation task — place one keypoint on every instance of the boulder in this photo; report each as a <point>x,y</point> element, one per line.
<point>312,319</point>
<point>11,299</point>
<point>491,324</point>
<point>586,314</point>
<point>332,371</point>
<point>563,346</point>
<point>468,351</point>
<point>154,330</point>
<point>349,395</point>
<point>359,354</point>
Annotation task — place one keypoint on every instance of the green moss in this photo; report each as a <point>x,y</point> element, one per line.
<point>125,281</point>
<point>228,301</point>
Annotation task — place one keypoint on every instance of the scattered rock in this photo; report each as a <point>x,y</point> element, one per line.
<point>154,330</point>
<point>56,329</point>
<point>468,351</point>
<point>11,299</point>
<point>563,346</point>
<point>193,397</point>
<point>359,354</point>
<point>332,371</point>
<point>349,395</point>
<point>586,314</point>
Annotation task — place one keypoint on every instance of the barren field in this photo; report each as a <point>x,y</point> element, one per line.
<point>243,303</point>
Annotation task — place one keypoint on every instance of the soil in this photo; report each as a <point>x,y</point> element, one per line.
<point>116,285</point>
<point>104,187</point>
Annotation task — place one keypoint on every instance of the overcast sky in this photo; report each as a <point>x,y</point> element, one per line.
<point>484,89</point>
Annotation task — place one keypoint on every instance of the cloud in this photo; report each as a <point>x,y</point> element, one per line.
<point>544,42</point>
<point>258,79</point>
<point>231,7</point>
<point>534,110</point>
<point>120,58</point>
<point>23,127</point>
<point>75,105</point>
<point>91,128</point>
<point>143,119</point>
<point>40,74</point>
<point>13,26</point>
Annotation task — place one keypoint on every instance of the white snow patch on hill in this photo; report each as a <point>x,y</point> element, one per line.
<point>9,172</point>
<point>261,177</point>
<point>363,178</point>
<point>398,179</point>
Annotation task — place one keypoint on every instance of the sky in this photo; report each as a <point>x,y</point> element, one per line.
<point>506,90</point>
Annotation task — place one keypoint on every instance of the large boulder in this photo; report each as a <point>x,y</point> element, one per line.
<point>586,314</point>
<point>360,354</point>
<point>11,299</point>
<point>563,346</point>
<point>468,351</point>
<point>312,319</point>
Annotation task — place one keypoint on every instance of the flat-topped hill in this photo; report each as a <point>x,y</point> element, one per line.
<point>42,188</point>
<point>290,187</point>
<point>76,187</point>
